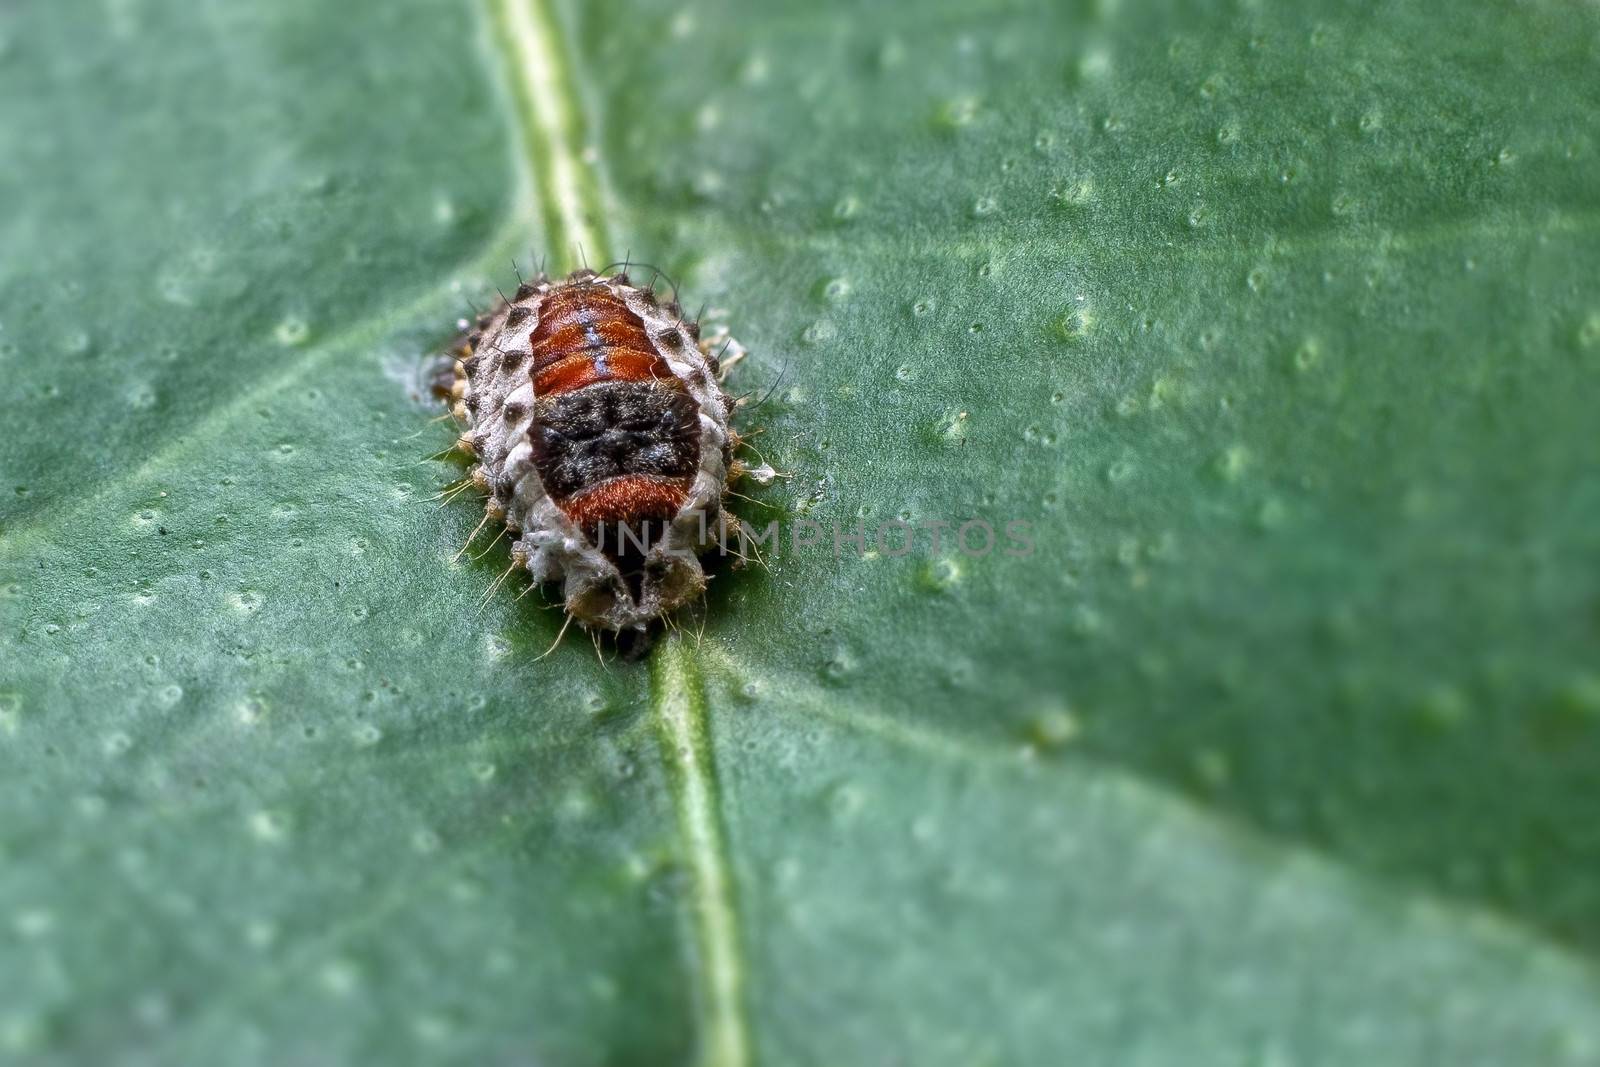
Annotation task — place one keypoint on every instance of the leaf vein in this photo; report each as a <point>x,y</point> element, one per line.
<point>680,713</point>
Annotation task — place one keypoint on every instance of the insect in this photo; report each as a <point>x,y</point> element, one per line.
<point>598,428</point>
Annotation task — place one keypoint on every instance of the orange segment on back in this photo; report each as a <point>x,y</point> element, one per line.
<point>625,365</point>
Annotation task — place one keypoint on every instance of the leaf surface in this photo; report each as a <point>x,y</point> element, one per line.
<point>1276,328</point>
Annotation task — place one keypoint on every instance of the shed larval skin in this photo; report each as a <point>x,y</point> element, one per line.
<point>602,440</point>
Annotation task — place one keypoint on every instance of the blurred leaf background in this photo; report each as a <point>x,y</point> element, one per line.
<point>1279,324</point>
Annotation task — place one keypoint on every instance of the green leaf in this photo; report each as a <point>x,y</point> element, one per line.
<point>1277,326</point>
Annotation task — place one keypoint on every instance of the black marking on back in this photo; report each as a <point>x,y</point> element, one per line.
<point>612,428</point>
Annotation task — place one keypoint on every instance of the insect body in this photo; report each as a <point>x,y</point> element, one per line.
<point>601,436</point>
